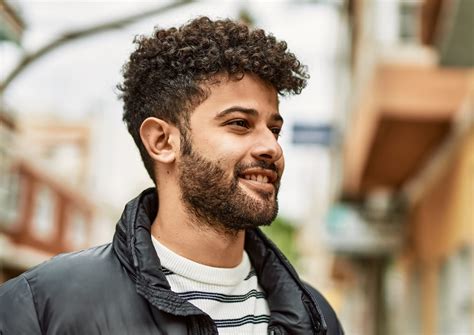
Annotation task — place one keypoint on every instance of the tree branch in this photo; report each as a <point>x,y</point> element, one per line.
<point>78,34</point>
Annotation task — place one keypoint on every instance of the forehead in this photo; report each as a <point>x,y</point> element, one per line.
<point>249,92</point>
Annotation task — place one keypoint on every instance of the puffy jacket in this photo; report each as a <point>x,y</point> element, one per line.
<point>119,288</point>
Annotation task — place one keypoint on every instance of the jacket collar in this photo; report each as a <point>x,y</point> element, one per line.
<point>134,248</point>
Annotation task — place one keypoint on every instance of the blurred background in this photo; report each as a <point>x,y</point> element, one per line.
<point>378,193</point>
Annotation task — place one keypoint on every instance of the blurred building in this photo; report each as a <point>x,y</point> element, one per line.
<point>402,225</point>
<point>41,212</point>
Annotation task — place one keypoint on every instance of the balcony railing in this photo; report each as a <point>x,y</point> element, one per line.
<point>38,210</point>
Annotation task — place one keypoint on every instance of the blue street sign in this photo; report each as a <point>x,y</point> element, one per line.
<point>319,134</point>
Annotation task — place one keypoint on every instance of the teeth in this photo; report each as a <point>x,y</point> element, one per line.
<point>258,178</point>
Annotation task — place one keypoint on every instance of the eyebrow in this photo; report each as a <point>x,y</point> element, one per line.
<point>244,110</point>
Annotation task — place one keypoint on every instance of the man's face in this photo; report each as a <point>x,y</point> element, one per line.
<point>231,177</point>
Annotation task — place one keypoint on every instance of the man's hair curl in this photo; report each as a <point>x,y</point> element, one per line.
<point>165,73</point>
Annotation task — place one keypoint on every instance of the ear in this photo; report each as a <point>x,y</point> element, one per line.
<point>159,139</point>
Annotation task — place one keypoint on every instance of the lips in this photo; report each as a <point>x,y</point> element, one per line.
<point>262,181</point>
<point>263,176</point>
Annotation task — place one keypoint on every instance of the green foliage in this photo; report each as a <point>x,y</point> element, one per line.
<point>283,234</point>
<point>246,17</point>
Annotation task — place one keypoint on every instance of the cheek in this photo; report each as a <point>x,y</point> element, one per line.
<point>226,151</point>
<point>225,154</point>
<point>215,145</point>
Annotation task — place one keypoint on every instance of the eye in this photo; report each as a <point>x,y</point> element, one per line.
<point>276,131</point>
<point>239,123</point>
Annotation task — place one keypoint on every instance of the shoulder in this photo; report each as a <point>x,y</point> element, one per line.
<point>58,295</point>
<point>72,265</point>
<point>332,322</point>
<point>76,284</point>
<point>86,274</point>
<point>77,273</point>
<point>17,310</point>
<point>24,300</point>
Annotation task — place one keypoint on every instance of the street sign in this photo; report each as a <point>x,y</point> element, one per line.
<point>317,134</point>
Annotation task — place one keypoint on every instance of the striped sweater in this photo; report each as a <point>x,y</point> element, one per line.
<point>230,296</point>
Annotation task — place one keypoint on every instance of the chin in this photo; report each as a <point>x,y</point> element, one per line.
<point>259,194</point>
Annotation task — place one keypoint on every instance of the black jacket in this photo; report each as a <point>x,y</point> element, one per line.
<point>119,288</point>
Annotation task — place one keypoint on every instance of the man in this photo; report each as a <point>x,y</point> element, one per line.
<point>201,103</point>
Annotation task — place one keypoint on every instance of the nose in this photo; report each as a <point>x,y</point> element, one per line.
<point>267,147</point>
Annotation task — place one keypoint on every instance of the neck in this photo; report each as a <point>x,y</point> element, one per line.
<point>185,235</point>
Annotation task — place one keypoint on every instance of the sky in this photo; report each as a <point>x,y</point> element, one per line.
<point>77,82</point>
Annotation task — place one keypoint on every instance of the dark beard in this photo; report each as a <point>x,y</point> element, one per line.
<point>221,204</point>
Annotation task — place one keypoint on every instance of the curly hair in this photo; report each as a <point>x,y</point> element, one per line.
<point>165,74</point>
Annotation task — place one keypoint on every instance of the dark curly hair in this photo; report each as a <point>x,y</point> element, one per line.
<point>165,74</point>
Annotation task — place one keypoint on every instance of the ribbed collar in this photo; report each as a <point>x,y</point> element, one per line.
<point>199,272</point>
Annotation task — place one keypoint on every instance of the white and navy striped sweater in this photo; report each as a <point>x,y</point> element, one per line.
<point>231,297</point>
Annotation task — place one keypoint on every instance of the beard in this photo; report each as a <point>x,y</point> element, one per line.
<point>218,201</point>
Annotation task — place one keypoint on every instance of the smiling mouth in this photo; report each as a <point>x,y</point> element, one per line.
<point>259,180</point>
<point>260,175</point>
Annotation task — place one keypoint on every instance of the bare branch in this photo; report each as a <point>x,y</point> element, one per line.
<point>78,34</point>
